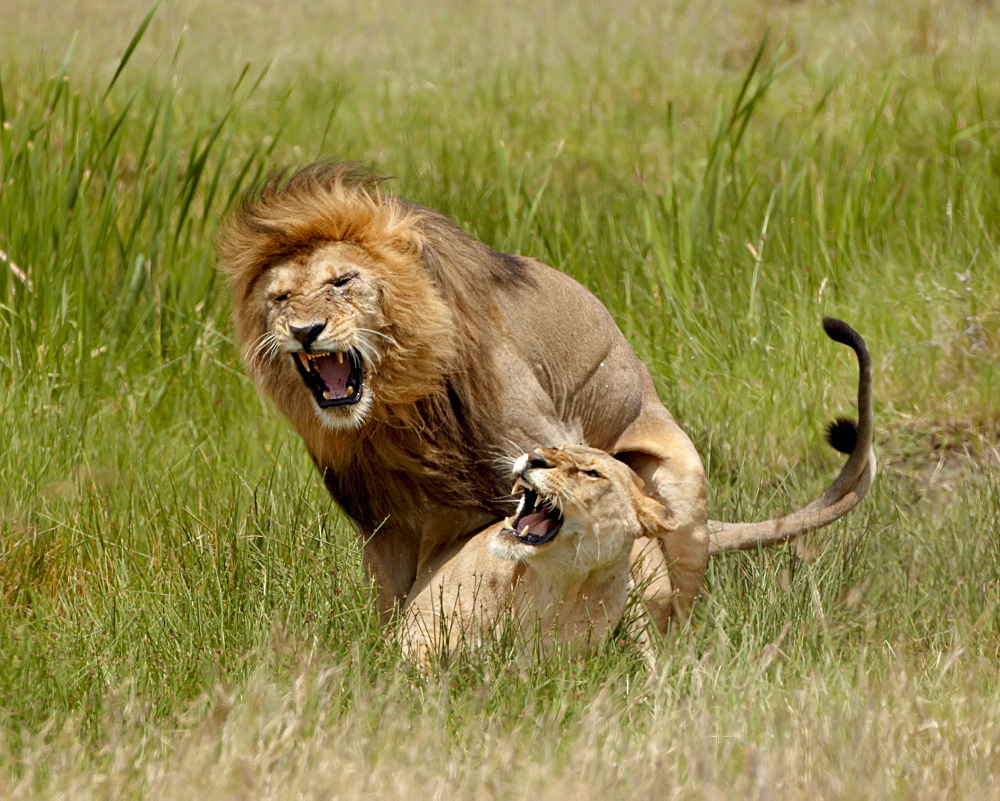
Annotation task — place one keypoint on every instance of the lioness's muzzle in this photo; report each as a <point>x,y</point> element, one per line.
<point>537,520</point>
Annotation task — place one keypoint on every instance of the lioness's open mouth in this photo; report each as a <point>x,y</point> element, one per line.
<point>537,520</point>
<point>335,379</point>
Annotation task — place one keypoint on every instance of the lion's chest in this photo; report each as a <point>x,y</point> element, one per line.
<point>437,499</point>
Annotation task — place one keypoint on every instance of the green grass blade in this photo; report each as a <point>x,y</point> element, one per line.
<point>133,43</point>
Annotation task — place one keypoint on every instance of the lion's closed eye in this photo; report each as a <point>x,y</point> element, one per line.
<point>344,280</point>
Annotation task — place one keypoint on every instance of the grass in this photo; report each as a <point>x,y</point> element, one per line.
<point>182,609</point>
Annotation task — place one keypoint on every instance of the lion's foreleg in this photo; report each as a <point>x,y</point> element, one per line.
<point>390,559</point>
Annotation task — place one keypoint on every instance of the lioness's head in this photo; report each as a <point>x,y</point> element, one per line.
<point>335,307</point>
<point>580,508</point>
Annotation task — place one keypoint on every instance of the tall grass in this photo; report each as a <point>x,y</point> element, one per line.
<point>182,608</point>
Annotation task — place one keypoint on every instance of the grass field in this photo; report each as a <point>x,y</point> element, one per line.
<point>182,609</point>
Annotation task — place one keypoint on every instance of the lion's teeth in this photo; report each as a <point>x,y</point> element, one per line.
<point>350,391</point>
<point>326,395</point>
<point>524,531</point>
<point>340,356</point>
<point>518,484</point>
<point>303,358</point>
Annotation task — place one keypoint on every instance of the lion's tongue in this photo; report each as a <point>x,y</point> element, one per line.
<point>334,374</point>
<point>537,523</point>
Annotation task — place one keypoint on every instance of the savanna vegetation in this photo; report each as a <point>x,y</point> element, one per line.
<point>182,608</point>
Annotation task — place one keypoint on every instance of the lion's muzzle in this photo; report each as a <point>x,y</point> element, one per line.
<point>335,379</point>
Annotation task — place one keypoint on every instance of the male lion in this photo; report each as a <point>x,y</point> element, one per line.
<point>561,562</point>
<point>409,357</point>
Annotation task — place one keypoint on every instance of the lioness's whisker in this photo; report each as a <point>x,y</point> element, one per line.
<point>503,462</point>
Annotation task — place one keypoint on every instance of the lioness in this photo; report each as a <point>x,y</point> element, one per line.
<point>409,357</point>
<point>560,563</point>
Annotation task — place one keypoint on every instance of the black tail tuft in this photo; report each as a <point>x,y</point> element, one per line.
<point>842,434</point>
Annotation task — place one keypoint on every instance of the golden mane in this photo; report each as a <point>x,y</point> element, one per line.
<point>291,214</point>
<point>442,286</point>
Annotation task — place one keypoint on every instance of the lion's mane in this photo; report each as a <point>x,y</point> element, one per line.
<point>437,400</point>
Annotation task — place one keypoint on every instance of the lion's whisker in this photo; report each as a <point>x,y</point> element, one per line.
<point>391,340</point>
<point>368,351</point>
<point>265,345</point>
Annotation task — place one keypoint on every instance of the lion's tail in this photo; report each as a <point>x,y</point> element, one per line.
<point>847,489</point>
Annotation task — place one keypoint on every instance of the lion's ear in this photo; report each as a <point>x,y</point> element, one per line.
<point>655,518</point>
<point>408,242</point>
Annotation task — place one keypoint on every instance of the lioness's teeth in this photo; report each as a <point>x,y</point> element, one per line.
<point>524,531</point>
<point>518,484</point>
<point>303,358</point>
<point>350,391</point>
<point>340,356</point>
<point>326,395</point>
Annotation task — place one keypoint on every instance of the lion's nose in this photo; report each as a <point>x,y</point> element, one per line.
<point>536,460</point>
<point>307,334</point>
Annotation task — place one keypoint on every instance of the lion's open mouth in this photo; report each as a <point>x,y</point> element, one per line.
<point>335,379</point>
<point>537,520</point>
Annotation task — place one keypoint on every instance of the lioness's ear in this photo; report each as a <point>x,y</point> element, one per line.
<point>637,480</point>
<point>655,518</point>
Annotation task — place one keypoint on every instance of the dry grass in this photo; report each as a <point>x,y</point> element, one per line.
<point>838,736</point>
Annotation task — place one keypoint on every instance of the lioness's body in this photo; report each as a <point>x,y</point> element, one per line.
<point>571,588</point>
<point>475,592</point>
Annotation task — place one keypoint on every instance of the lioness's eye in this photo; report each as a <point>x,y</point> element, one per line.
<point>344,279</point>
<point>281,298</point>
<point>592,473</point>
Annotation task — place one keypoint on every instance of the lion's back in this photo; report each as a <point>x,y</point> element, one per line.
<point>565,357</point>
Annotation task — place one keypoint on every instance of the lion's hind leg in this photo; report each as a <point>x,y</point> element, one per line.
<point>668,570</point>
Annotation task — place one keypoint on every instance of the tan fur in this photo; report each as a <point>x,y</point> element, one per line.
<point>572,589</point>
<point>469,355</point>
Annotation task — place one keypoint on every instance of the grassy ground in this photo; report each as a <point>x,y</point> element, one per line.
<point>182,609</point>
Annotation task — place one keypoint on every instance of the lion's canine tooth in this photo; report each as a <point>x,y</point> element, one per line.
<point>518,484</point>
<point>524,531</point>
<point>340,356</point>
<point>303,358</point>
<point>326,395</point>
<point>350,391</point>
